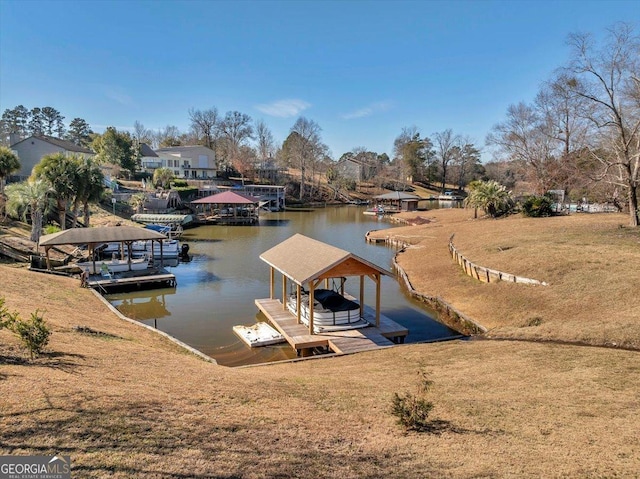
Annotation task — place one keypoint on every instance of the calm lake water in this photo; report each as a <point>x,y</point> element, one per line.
<point>217,288</point>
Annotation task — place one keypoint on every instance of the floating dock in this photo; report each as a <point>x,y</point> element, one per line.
<point>340,342</point>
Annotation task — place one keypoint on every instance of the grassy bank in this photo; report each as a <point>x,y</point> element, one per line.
<point>129,403</point>
<point>590,262</point>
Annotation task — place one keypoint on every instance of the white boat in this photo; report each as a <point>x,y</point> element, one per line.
<point>163,219</point>
<point>170,249</point>
<point>448,196</point>
<point>331,312</point>
<point>375,211</point>
<point>260,334</point>
<point>114,265</point>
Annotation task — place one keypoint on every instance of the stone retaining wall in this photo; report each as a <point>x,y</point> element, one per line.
<point>447,314</point>
<point>487,275</point>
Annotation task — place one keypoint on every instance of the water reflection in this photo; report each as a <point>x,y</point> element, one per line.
<point>217,288</point>
<point>273,222</point>
<point>144,305</point>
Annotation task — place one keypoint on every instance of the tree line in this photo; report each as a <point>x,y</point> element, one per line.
<point>20,122</point>
<point>580,134</point>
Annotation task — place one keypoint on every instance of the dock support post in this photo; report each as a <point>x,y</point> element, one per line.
<point>361,296</point>
<point>271,284</point>
<point>284,292</point>
<point>377,279</point>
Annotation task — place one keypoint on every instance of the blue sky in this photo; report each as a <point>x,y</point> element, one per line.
<point>361,69</point>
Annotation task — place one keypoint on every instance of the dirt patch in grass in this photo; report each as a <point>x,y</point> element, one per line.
<point>140,406</point>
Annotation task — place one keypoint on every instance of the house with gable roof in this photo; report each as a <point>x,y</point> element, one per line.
<point>31,150</point>
<point>149,159</point>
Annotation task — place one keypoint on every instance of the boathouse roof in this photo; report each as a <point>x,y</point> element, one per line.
<point>303,259</point>
<point>105,234</point>
<point>229,198</point>
<point>397,195</point>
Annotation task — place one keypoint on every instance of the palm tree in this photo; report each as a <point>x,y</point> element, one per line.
<point>61,172</point>
<point>30,198</point>
<point>137,201</point>
<point>162,177</point>
<point>472,186</point>
<point>491,196</point>
<point>9,163</point>
<point>89,187</point>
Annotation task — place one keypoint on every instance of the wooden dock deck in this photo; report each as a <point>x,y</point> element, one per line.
<point>340,342</point>
<point>132,280</point>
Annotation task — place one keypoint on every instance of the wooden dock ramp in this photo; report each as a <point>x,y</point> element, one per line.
<point>340,342</point>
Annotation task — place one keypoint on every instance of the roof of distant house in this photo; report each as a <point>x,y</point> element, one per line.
<point>64,144</point>
<point>145,150</point>
<point>397,195</point>
<point>178,149</point>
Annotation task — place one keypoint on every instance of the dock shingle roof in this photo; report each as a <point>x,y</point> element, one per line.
<point>303,259</point>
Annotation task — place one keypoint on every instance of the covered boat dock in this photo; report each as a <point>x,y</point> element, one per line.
<point>308,263</point>
<point>397,201</point>
<point>126,235</point>
<point>228,208</point>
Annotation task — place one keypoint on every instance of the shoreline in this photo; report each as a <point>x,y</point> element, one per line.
<point>131,403</point>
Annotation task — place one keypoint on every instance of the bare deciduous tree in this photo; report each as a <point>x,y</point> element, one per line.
<point>265,144</point>
<point>466,163</point>
<point>445,143</point>
<point>142,134</point>
<point>607,78</point>
<point>204,124</point>
<point>303,148</point>
<point>235,131</point>
<point>522,138</point>
<point>168,136</point>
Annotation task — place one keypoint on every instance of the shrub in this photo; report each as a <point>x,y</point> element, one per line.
<point>537,206</point>
<point>50,229</point>
<point>187,193</point>
<point>179,183</point>
<point>142,175</point>
<point>412,410</point>
<point>34,333</point>
<point>5,316</point>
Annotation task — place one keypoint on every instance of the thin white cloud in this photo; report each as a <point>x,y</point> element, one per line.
<point>283,108</point>
<point>118,95</point>
<point>368,110</point>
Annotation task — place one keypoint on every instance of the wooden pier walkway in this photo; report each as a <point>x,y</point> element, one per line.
<point>340,342</point>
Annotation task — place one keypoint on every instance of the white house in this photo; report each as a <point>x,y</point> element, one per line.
<point>149,159</point>
<point>31,150</point>
<point>191,162</point>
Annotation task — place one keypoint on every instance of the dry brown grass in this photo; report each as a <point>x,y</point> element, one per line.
<point>589,261</point>
<point>133,404</point>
